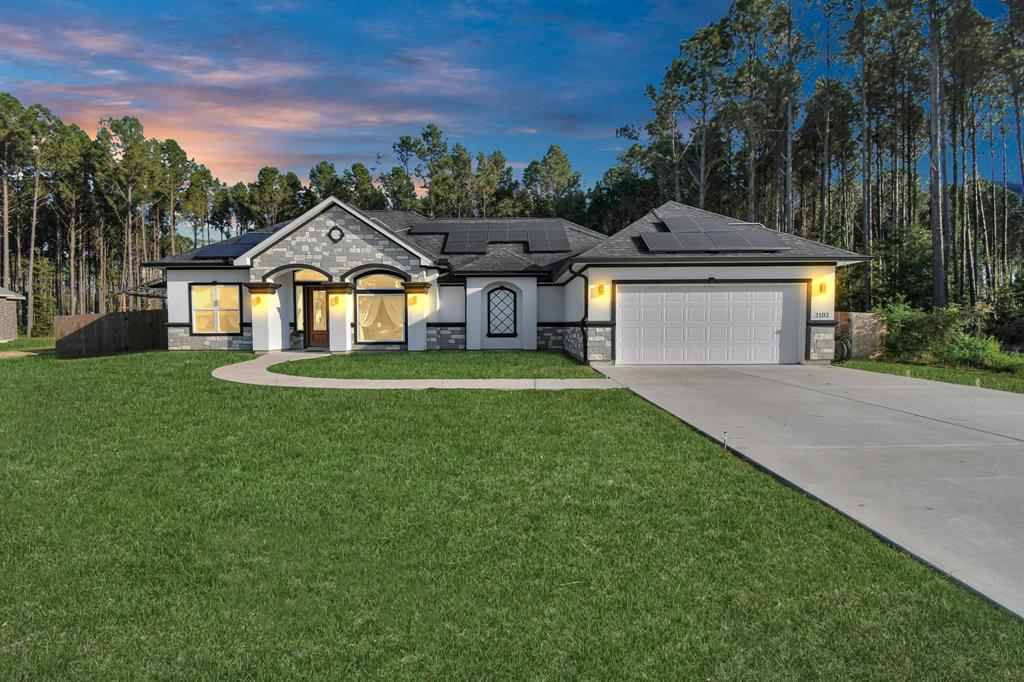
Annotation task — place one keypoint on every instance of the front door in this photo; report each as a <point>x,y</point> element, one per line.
<point>315,307</point>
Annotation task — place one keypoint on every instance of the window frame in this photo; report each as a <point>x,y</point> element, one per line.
<point>191,309</point>
<point>386,292</point>
<point>515,313</point>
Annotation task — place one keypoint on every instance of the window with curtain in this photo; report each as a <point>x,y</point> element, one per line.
<point>501,312</point>
<point>216,308</point>
<point>380,309</point>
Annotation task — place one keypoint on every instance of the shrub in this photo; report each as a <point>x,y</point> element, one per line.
<point>1011,334</point>
<point>917,335</point>
<point>982,352</point>
<point>941,336</point>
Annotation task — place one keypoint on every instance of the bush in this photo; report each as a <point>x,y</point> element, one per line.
<point>1011,334</point>
<point>921,336</point>
<point>982,352</point>
<point>941,336</point>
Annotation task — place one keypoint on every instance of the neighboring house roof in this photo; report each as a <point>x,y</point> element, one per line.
<point>9,295</point>
<point>494,253</point>
<point>629,243</point>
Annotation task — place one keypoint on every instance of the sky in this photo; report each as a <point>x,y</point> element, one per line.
<point>287,83</point>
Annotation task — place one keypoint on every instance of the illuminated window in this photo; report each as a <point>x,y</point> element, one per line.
<point>380,309</point>
<point>216,308</point>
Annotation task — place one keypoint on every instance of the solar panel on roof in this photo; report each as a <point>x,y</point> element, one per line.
<point>660,241</point>
<point>681,224</point>
<point>695,241</point>
<point>728,240</point>
<point>763,238</point>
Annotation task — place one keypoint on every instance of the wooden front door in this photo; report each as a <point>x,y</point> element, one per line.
<point>315,310</point>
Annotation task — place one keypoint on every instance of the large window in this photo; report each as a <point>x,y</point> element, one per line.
<point>380,309</point>
<point>501,312</point>
<point>216,308</point>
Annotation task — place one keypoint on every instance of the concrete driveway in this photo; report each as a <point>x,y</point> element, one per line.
<point>936,468</point>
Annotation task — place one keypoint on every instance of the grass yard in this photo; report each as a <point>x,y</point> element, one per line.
<point>1001,381</point>
<point>442,365</point>
<point>25,343</point>
<point>156,523</point>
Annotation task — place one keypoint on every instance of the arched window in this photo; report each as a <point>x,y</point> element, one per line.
<point>501,312</point>
<point>380,308</point>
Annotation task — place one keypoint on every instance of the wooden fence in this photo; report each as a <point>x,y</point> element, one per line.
<point>127,332</point>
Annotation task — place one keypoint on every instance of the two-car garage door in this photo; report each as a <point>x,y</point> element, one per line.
<point>681,324</point>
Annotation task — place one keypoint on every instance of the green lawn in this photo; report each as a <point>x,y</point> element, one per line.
<point>1001,381</point>
<point>442,365</point>
<point>25,343</point>
<point>157,523</point>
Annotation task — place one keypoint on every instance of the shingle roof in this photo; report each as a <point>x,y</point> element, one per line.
<point>626,245</point>
<point>498,257</point>
<point>10,295</point>
<point>585,245</point>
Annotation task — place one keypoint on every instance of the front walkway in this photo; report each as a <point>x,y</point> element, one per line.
<point>255,372</point>
<point>935,468</point>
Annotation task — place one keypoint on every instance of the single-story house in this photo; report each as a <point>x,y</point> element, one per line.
<point>9,314</point>
<point>678,286</point>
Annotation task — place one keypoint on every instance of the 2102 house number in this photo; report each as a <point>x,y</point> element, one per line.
<point>822,316</point>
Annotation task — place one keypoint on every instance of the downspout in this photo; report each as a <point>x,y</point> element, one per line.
<point>586,310</point>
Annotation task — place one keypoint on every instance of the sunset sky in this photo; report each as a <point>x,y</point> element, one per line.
<point>289,82</point>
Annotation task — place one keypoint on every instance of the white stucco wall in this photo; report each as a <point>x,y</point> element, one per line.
<point>550,303</point>
<point>451,303</point>
<point>177,290</point>
<point>476,313</point>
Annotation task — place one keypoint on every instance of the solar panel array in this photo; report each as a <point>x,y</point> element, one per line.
<point>710,233</point>
<point>232,248</point>
<point>539,236</point>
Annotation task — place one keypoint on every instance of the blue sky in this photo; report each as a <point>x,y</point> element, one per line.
<point>290,82</point>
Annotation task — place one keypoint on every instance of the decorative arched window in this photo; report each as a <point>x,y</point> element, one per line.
<point>501,312</point>
<point>380,308</point>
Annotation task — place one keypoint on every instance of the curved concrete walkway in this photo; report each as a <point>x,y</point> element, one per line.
<point>255,372</point>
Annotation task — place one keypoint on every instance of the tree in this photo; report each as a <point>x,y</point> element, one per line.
<point>13,144</point>
<point>553,186</point>
<point>39,124</point>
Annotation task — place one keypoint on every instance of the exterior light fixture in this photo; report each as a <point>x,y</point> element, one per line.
<point>822,288</point>
<point>412,299</point>
<point>256,300</point>
<point>334,300</point>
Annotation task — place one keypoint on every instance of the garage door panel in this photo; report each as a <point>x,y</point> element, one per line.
<point>709,324</point>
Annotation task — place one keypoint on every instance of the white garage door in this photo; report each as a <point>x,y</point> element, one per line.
<point>681,324</point>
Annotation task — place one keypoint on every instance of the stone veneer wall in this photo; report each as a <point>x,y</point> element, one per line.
<point>446,337</point>
<point>599,344</point>
<point>551,337</point>
<point>361,245</point>
<point>8,319</point>
<point>178,338</point>
<point>572,342</point>
<point>823,343</point>
<point>864,331</point>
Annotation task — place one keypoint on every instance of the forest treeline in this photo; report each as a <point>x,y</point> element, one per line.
<point>889,128</point>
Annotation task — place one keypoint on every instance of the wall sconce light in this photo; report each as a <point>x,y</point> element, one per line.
<point>822,288</point>
<point>597,291</point>
<point>256,300</point>
<point>412,299</point>
<point>334,300</point>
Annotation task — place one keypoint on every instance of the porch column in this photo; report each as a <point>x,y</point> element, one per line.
<point>266,316</point>
<point>339,315</point>
<point>418,307</point>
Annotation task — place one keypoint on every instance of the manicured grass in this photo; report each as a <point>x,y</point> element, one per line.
<point>1001,381</point>
<point>156,523</point>
<point>442,365</point>
<point>25,343</point>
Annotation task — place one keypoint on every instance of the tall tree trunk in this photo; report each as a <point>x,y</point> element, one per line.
<point>7,230</point>
<point>936,153</point>
<point>31,289</point>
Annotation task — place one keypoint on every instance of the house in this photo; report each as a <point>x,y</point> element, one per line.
<point>9,314</point>
<point>679,285</point>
